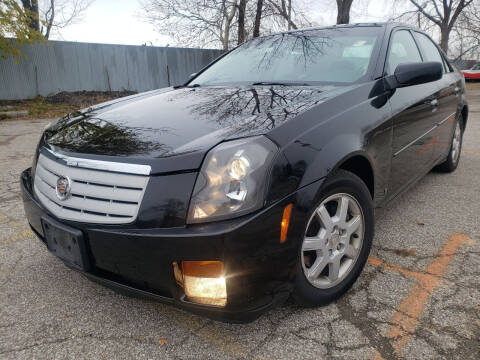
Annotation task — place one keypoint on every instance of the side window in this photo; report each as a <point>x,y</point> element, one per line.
<point>429,50</point>
<point>476,67</point>
<point>402,50</point>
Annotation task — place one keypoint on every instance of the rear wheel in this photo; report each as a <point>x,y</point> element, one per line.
<point>337,240</point>
<point>451,163</point>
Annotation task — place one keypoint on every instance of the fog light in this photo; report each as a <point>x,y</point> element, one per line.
<point>204,282</point>
<point>210,291</point>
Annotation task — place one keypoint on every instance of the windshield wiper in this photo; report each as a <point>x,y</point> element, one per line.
<point>186,86</point>
<point>279,83</point>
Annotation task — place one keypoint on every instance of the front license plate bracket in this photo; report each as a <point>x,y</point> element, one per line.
<point>66,243</point>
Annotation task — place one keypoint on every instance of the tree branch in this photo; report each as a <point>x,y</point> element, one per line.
<point>425,13</point>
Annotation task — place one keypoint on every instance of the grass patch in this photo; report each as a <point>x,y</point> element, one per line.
<point>60,104</point>
<point>37,108</point>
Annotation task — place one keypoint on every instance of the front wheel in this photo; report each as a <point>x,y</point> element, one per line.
<point>337,240</point>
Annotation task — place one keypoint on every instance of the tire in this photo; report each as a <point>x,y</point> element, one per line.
<point>329,242</point>
<point>453,158</point>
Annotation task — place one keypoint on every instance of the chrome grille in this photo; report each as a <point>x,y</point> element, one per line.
<point>96,196</point>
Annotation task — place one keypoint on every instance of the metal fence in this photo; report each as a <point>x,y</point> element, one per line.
<point>69,66</point>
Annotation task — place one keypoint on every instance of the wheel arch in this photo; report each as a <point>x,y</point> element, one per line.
<point>359,164</point>
<point>464,113</point>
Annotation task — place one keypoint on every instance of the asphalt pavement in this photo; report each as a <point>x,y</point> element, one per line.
<point>418,297</point>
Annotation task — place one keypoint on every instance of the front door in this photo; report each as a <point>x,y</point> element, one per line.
<point>415,116</point>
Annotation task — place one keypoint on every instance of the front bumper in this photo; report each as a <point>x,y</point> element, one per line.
<point>137,261</point>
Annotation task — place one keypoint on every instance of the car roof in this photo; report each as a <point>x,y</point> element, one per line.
<point>385,24</point>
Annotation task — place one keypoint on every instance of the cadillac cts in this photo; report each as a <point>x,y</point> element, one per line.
<point>258,178</point>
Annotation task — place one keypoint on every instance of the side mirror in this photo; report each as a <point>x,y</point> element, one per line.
<point>417,73</point>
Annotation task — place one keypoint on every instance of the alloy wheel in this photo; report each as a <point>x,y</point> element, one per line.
<point>333,240</point>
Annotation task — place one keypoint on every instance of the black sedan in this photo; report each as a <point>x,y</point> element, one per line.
<point>257,179</point>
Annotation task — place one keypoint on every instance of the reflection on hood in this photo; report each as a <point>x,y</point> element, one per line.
<point>167,123</point>
<point>90,133</point>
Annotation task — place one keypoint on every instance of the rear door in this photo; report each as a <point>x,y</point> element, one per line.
<point>415,115</point>
<point>448,97</point>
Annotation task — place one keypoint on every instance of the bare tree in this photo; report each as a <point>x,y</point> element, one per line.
<point>55,15</point>
<point>443,14</point>
<point>281,15</point>
<point>229,13</point>
<point>223,23</point>
<point>242,7</point>
<point>289,14</point>
<point>192,22</point>
<point>343,15</point>
<point>258,18</point>
<point>284,11</point>
<point>466,34</point>
<point>58,14</point>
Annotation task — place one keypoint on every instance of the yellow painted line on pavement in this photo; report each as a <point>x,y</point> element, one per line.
<point>394,268</point>
<point>406,318</point>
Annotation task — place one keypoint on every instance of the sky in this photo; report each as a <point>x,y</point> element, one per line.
<point>113,22</point>
<point>118,21</point>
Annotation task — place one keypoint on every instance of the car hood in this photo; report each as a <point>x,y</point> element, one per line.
<point>171,129</point>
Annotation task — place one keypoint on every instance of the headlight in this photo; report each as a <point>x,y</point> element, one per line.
<point>232,181</point>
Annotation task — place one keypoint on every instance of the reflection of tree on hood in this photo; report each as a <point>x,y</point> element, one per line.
<point>239,110</point>
<point>100,136</point>
<point>260,108</point>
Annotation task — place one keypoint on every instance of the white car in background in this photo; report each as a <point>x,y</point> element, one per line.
<point>473,73</point>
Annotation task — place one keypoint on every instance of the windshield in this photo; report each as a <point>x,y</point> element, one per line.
<point>339,55</point>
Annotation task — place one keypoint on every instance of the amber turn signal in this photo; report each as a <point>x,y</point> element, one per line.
<point>287,211</point>
<point>203,269</point>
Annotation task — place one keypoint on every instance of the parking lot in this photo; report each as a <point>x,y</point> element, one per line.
<point>418,297</point>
